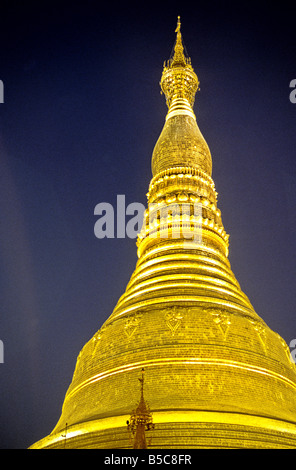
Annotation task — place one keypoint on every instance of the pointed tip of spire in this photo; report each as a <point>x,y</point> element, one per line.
<point>178,25</point>
<point>178,66</point>
<point>179,56</point>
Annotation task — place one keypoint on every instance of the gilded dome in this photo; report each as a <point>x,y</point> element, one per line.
<point>181,144</point>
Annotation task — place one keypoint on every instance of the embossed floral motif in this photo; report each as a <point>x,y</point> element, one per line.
<point>96,340</point>
<point>131,324</point>
<point>222,319</point>
<point>173,319</point>
<point>261,332</point>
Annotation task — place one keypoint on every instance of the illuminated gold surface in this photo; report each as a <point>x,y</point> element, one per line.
<point>215,374</point>
<point>181,142</point>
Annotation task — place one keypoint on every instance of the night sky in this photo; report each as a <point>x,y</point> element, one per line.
<point>82,112</point>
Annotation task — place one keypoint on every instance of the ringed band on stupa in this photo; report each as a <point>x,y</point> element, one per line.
<point>216,376</point>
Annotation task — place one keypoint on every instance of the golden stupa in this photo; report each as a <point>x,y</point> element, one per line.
<point>216,376</point>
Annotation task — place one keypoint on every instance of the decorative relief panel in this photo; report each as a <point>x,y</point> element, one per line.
<point>131,324</point>
<point>261,332</point>
<point>173,318</point>
<point>222,320</point>
<point>96,339</point>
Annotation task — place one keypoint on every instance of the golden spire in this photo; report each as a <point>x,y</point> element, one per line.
<point>178,78</point>
<point>179,57</point>
<point>140,420</point>
<point>181,143</point>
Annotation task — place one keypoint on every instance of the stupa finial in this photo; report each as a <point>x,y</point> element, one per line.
<point>179,80</point>
<point>178,25</point>
<point>179,56</point>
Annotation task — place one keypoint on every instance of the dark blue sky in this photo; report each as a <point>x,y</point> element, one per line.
<point>82,112</point>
